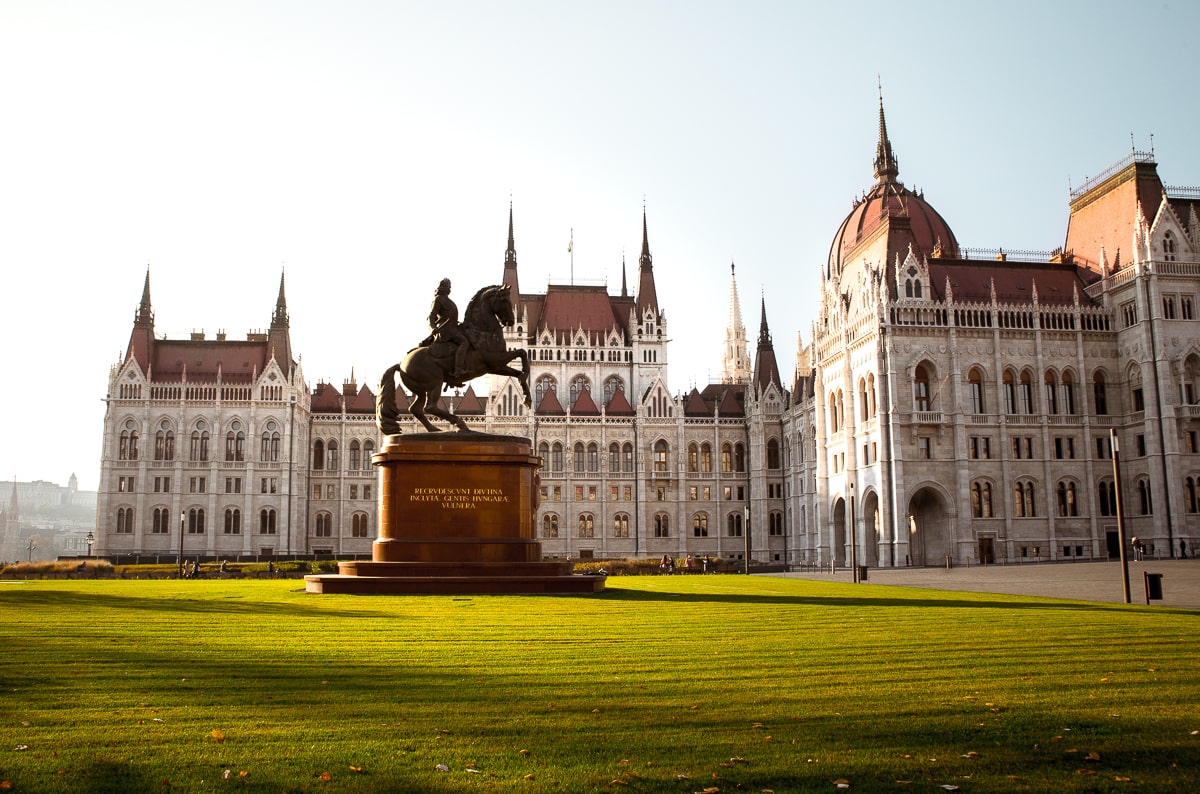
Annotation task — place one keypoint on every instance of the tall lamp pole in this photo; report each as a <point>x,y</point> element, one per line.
<point>853,540</point>
<point>89,540</point>
<point>182,518</point>
<point>1116,456</point>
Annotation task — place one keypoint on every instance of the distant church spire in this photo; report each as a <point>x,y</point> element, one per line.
<point>141,339</point>
<point>510,263</point>
<point>887,168</point>
<point>278,338</point>
<point>145,314</point>
<point>735,366</point>
<point>281,313</point>
<point>624,283</point>
<point>766,368</point>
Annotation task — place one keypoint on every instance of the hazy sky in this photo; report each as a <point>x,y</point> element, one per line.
<point>372,148</point>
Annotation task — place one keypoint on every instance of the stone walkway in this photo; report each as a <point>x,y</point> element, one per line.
<point>1086,581</point>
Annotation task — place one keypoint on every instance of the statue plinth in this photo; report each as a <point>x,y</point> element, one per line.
<point>456,515</point>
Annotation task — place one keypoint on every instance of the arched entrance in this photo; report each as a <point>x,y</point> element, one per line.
<point>928,528</point>
<point>837,546</point>
<point>873,540</point>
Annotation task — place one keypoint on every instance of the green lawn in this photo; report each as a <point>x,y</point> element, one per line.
<point>676,684</point>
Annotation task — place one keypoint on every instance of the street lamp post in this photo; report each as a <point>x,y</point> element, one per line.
<point>182,518</point>
<point>747,539</point>
<point>90,540</point>
<point>853,540</point>
<point>32,545</point>
<point>1116,456</point>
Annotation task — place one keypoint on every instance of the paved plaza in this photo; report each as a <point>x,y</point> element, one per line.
<point>1088,581</point>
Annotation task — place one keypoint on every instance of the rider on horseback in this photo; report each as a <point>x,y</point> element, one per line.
<point>443,323</point>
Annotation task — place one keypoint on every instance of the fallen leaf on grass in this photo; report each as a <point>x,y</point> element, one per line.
<point>682,776</point>
<point>21,747</point>
<point>5,785</point>
<point>1085,771</point>
<point>325,777</point>
<point>1121,779</point>
<point>530,776</point>
<point>523,752</point>
<point>618,782</point>
<point>355,768</point>
<point>228,773</point>
<point>1092,756</point>
<point>218,734</point>
<point>737,760</point>
<point>709,790</point>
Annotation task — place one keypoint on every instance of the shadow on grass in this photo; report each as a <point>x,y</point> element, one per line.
<point>983,601</point>
<point>210,602</point>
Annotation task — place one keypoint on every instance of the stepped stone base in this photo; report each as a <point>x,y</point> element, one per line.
<point>456,515</point>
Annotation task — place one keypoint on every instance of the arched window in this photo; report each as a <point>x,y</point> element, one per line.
<point>981,499</point>
<point>318,454</point>
<point>775,523</point>
<point>1145,499</point>
<point>739,457</point>
<point>162,521</point>
<point>128,449</point>
<point>660,457</point>
<point>579,384</point>
<point>368,452</point>
<point>1190,494</point>
<point>975,390</point>
<point>1107,498</point>
<point>1024,505</point>
<point>331,456</point>
<point>706,457</point>
<point>199,449</point>
<point>726,457</point>
<point>324,525</point>
<point>1099,395</point>
<point>693,458</point>
<point>662,525</point>
<point>614,457</point>
<point>621,525</point>
<point>195,521</point>
<point>550,525</point>
<point>544,384</point>
<point>700,525</point>
<point>587,526</point>
<point>124,520</point>
<point>921,394</point>
<point>578,463</point>
<point>359,525</point>
<point>627,457</point>
<point>1068,394</point>
<point>556,457</point>
<point>235,442</point>
<point>1051,393</point>
<point>355,453</point>
<point>1010,392</point>
<point>233,521</point>
<point>593,457</point>
<point>1169,247</point>
<point>270,444</point>
<point>1067,504</point>
<point>544,454</point>
<point>612,385</point>
<point>1025,393</point>
<point>772,453</point>
<point>734,525</point>
<point>164,442</point>
<point>266,521</point>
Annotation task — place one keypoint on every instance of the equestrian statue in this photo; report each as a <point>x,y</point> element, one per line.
<point>451,355</point>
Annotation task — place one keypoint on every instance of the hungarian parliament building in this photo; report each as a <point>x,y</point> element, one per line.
<point>952,405</point>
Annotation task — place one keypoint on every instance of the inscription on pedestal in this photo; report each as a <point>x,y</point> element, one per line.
<point>459,498</point>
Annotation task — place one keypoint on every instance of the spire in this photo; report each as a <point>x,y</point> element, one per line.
<point>886,166</point>
<point>735,367</point>
<point>647,296</point>
<point>141,340</point>
<point>145,314</point>
<point>766,368</point>
<point>624,283</point>
<point>510,263</point>
<point>281,314</point>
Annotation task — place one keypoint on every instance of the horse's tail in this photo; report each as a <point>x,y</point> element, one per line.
<point>387,414</point>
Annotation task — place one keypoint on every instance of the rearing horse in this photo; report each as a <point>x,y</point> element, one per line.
<point>423,369</point>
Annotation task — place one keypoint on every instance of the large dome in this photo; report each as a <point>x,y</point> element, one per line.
<point>908,215</point>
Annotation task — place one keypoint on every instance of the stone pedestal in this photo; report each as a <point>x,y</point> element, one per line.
<point>456,515</point>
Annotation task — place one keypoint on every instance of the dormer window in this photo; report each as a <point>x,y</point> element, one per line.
<point>1169,252</point>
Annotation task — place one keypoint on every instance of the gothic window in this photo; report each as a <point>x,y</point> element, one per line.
<point>621,525</point>
<point>1023,500</point>
<point>593,457</point>
<point>1025,393</point>
<point>233,521</point>
<point>627,458</point>
<point>1068,505</point>
<point>693,458</point>
<point>773,453</point>
<point>587,526</point>
<point>706,457</point>
<point>270,444</point>
<point>700,525</point>
<point>235,442</point>
<point>550,526</point>
<point>324,526</point>
<point>662,525</point>
<point>833,413</point>
<point>975,390</point>
<point>614,457</point>
<point>578,467</point>
<point>556,457</point>
<point>195,521</point>
<point>1068,394</point>
<point>355,454</point>
<point>368,452</point>
<point>660,457</point>
<point>726,458</point>
<point>981,499</point>
<point>1010,392</point>
<point>162,521</point>
<point>331,456</point>
<point>1051,393</point>
<point>734,525</point>
<point>124,520</point>
<point>579,385</point>
<point>1190,494</point>
<point>544,454</point>
<point>1108,497</point>
<point>739,457</point>
<point>1169,247</point>
<point>318,454</point>
<point>612,385</point>
<point>544,384</point>
<point>267,521</point>
<point>359,526</point>
<point>129,442</point>
<point>164,442</point>
<point>1145,500</point>
<point>1099,394</point>
<point>775,523</point>
<point>921,397</point>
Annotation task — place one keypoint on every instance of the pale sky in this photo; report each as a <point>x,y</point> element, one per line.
<point>372,148</point>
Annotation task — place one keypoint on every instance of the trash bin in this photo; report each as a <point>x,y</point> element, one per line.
<point>862,573</point>
<point>1153,587</point>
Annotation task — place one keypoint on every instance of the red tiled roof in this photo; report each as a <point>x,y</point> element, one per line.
<point>618,405</point>
<point>363,402</point>
<point>326,399</point>
<point>570,307</point>
<point>550,404</point>
<point>585,405</point>
<point>238,361</point>
<point>469,404</point>
<point>695,405</point>
<point>970,281</point>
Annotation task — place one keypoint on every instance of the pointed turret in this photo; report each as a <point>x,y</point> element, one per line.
<point>886,166</point>
<point>624,283</point>
<point>766,368</point>
<point>735,364</point>
<point>278,337</point>
<point>647,296</point>
<point>510,263</point>
<point>141,341</point>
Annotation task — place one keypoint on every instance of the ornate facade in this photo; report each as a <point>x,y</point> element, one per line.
<point>951,405</point>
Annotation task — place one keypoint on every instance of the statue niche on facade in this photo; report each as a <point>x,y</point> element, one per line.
<point>451,355</point>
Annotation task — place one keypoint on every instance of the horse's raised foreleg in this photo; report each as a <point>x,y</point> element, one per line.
<point>418,410</point>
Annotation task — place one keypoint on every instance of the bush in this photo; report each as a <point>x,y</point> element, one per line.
<point>90,568</point>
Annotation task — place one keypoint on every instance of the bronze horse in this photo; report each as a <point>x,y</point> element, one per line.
<point>423,370</point>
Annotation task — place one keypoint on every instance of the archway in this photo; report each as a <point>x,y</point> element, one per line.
<point>837,545</point>
<point>871,531</point>
<point>928,528</point>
